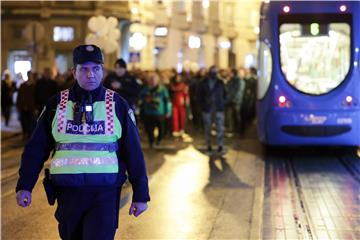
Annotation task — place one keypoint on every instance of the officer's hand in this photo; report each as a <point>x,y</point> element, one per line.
<point>23,198</point>
<point>137,208</point>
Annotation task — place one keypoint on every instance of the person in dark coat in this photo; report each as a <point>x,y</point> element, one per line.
<point>123,83</point>
<point>8,88</point>
<point>45,88</point>
<point>26,105</point>
<point>234,97</point>
<point>248,108</point>
<point>212,102</point>
<point>195,98</point>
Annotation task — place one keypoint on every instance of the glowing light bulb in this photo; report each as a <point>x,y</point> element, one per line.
<point>343,8</point>
<point>282,99</point>
<point>286,9</point>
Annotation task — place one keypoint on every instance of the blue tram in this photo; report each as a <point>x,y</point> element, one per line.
<point>309,75</point>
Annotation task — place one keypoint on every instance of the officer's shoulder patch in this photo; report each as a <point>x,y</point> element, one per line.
<point>132,116</point>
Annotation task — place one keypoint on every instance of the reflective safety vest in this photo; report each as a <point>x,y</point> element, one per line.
<point>85,154</point>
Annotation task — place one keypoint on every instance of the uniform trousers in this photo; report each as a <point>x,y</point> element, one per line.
<point>87,213</point>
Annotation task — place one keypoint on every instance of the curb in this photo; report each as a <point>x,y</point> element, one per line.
<point>258,203</point>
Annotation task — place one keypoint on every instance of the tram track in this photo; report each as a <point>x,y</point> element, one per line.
<point>311,186</point>
<point>303,221</point>
<point>349,161</point>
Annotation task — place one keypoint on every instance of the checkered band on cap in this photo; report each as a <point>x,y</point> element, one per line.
<point>109,96</point>
<point>62,111</point>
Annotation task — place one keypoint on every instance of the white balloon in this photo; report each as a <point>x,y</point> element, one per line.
<point>102,42</point>
<point>111,46</point>
<point>101,20</point>
<point>112,22</point>
<point>91,39</point>
<point>93,24</point>
<point>114,34</point>
<point>103,30</point>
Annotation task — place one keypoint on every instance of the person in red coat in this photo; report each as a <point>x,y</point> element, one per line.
<point>180,99</point>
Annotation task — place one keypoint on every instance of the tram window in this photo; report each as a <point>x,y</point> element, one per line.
<point>315,57</point>
<point>265,70</point>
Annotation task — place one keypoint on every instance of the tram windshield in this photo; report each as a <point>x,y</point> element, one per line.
<point>315,56</point>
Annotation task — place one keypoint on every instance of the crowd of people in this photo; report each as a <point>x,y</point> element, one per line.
<point>165,100</point>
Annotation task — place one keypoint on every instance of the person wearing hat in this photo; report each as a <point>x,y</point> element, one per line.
<point>95,145</point>
<point>124,83</point>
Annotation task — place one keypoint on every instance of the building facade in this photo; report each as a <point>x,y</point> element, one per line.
<point>184,34</point>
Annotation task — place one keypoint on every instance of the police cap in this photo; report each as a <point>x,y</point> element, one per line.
<point>87,53</point>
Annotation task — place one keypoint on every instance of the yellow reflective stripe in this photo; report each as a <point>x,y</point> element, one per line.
<point>83,161</point>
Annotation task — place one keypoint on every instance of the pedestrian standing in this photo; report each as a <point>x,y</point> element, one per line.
<point>234,96</point>
<point>96,146</point>
<point>248,109</point>
<point>154,103</point>
<point>8,88</point>
<point>26,105</point>
<point>45,88</point>
<point>123,83</point>
<point>212,102</point>
<point>179,99</point>
<point>195,98</point>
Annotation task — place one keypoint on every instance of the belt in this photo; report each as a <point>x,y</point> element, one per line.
<point>110,147</point>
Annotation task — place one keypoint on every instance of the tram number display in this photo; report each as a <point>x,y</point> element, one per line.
<point>315,29</point>
<point>344,120</point>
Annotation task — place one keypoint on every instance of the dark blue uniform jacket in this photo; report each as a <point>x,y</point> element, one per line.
<point>130,156</point>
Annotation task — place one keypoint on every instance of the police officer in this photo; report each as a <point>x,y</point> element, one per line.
<point>92,133</point>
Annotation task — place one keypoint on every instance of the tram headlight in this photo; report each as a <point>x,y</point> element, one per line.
<point>282,99</point>
<point>349,100</point>
<point>283,102</point>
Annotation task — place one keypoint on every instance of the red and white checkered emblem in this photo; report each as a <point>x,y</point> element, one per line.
<point>62,111</point>
<point>109,112</point>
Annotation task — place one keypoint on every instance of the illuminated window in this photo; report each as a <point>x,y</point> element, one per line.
<point>63,34</point>
<point>194,42</point>
<point>22,67</point>
<point>225,44</point>
<point>161,31</point>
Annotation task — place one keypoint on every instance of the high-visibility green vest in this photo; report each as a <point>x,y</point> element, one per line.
<point>82,148</point>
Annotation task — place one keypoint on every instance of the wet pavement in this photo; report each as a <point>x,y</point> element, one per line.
<point>248,193</point>
<point>193,195</point>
